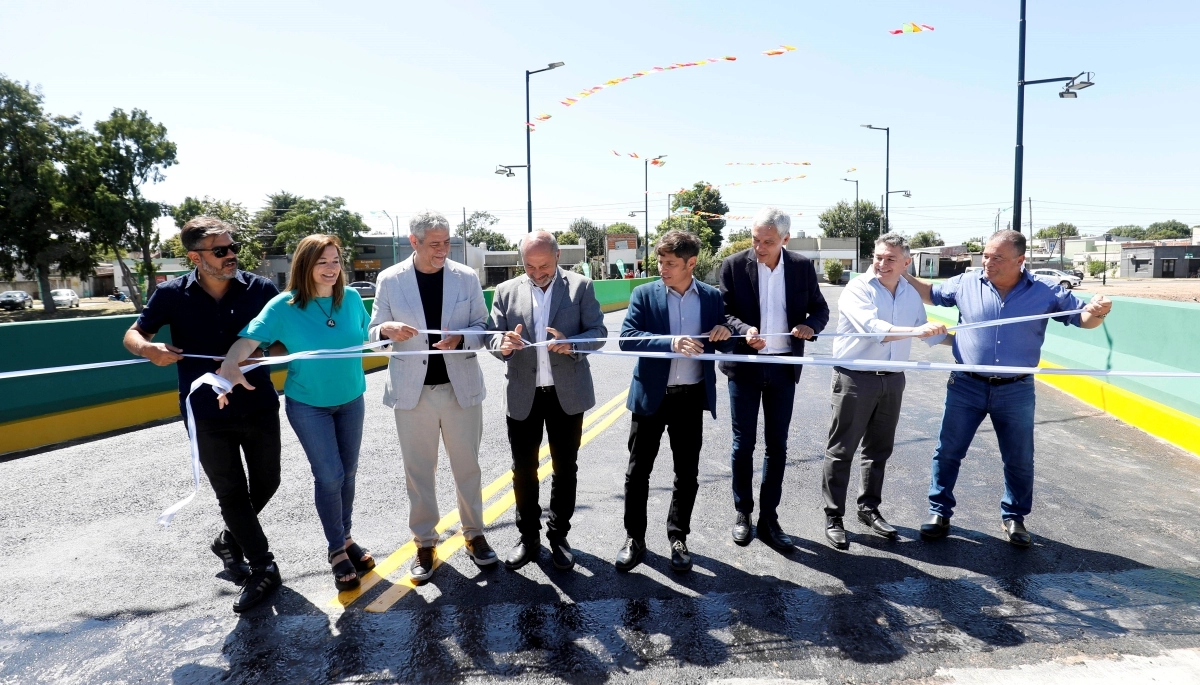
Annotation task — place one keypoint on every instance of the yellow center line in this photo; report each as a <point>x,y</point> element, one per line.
<point>401,556</point>
<point>443,551</point>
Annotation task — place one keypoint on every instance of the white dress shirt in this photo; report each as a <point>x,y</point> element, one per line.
<point>541,319</point>
<point>866,306</point>
<point>684,314</point>
<point>772,307</point>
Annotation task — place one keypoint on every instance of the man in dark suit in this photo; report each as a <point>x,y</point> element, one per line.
<point>772,297</point>
<point>671,394</point>
<point>548,386</point>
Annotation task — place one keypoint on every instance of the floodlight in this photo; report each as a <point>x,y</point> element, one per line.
<point>554,65</point>
<point>1070,94</point>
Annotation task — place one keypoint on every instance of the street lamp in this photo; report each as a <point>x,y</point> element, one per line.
<point>1070,91</point>
<point>394,225</point>
<point>907,193</point>
<point>528,131</point>
<point>647,210</point>
<point>887,166</point>
<point>507,169</point>
<point>1104,274</point>
<point>857,227</point>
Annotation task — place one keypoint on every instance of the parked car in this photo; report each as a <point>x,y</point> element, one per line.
<point>1077,272</point>
<point>364,288</point>
<point>65,298</point>
<point>972,269</point>
<point>15,299</point>
<point>1063,278</point>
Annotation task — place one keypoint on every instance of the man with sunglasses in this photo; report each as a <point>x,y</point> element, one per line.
<point>205,310</point>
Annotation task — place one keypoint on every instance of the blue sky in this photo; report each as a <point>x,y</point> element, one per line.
<point>401,106</point>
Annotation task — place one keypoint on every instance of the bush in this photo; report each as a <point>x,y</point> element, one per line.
<point>833,270</point>
<point>1095,268</point>
<point>734,248</point>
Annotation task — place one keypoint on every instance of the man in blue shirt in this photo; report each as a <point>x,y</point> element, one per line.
<point>205,311</point>
<point>1004,289</point>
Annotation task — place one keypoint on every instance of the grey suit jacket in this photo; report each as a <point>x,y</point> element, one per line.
<point>398,298</point>
<point>574,312</point>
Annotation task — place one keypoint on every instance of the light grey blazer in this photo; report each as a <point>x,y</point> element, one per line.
<point>574,312</point>
<point>397,298</point>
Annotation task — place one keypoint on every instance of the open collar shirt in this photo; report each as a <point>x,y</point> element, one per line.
<point>772,306</point>
<point>867,306</point>
<point>1017,344</point>
<point>684,314</point>
<point>541,321</point>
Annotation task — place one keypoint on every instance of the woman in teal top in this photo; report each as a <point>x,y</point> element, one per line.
<point>324,398</point>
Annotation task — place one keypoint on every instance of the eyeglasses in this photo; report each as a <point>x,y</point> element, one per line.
<point>221,251</point>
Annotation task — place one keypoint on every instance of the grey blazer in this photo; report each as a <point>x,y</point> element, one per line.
<point>397,298</point>
<point>574,312</point>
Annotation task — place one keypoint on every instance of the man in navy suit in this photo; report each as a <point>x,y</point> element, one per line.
<point>772,297</point>
<point>670,394</point>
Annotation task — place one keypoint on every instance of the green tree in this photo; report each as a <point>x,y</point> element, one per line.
<point>1053,232</point>
<point>684,222</point>
<point>1095,267</point>
<point>704,198</point>
<point>594,236</point>
<point>738,235</point>
<point>39,225</point>
<point>327,215</point>
<point>267,218</point>
<point>833,270</point>
<point>477,229</point>
<point>975,244</point>
<point>838,222</point>
<point>1129,231</point>
<point>1167,230</point>
<point>925,239</point>
<point>733,248</point>
<point>567,238</point>
<point>232,213</point>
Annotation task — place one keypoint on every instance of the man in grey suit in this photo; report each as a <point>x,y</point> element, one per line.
<point>548,385</point>
<point>435,395</point>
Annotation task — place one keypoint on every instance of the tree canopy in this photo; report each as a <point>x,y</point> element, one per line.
<point>593,235</point>
<point>924,239</point>
<point>477,229</point>
<point>1060,229</point>
<point>233,213</point>
<point>327,215</point>
<point>704,198</point>
<point>838,222</point>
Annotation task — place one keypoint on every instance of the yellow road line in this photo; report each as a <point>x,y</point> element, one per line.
<point>398,558</point>
<point>444,551</point>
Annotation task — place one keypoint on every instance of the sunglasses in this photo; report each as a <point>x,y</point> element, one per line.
<point>220,252</point>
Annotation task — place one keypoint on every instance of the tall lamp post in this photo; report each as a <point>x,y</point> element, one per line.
<point>857,227</point>
<point>887,168</point>
<point>1069,91</point>
<point>394,226</point>
<point>528,131</point>
<point>647,209</point>
<point>1104,274</point>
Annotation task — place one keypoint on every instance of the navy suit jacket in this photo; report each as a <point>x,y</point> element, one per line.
<point>648,315</point>
<point>739,289</point>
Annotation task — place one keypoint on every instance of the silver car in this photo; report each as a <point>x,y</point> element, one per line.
<point>1063,278</point>
<point>65,298</point>
<point>365,288</point>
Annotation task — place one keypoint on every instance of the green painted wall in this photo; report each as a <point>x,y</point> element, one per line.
<point>1139,335</point>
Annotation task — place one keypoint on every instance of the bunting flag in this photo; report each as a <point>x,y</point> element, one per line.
<point>567,102</point>
<point>852,169</point>
<point>783,179</point>
<point>653,162</point>
<point>781,50</point>
<point>910,28</point>
<point>542,117</point>
<point>767,163</point>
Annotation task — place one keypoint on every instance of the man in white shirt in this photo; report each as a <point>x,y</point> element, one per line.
<point>548,386</point>
<point>866,404</point>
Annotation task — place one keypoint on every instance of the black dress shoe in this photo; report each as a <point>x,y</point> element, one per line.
<point>232,558</point>
<point>561,554</point>
<point>479,550</point>
<point>875,520</point>
<point>681,558</point>
<point>1016,533</point>
<point>630,555</point>
<point>742,532</point>
<point>835,532</point>
<point>936,527</point>
<point>522,553</point>
<point>261,583</point>
<point>774,536</point>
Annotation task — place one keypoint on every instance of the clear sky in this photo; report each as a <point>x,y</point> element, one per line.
<point>402,105</point>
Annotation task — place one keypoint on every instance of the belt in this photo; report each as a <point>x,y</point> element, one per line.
<point>680,389</point>
<point>870,373</point>
<point>996,380</point>
<point>545,388</point>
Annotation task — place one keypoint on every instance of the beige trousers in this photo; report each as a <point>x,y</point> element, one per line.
<point>438,414</point>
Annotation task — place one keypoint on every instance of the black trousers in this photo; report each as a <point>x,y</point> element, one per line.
<point>242,493</point>
<point>563,432</point>
<point>866,409</point>
<point>681,414</point>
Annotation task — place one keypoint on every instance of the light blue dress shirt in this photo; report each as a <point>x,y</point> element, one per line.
<point>684,314</point>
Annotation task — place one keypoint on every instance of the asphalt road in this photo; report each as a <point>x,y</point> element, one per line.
<point>98,593</point>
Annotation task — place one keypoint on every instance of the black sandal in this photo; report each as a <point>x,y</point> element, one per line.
<point>360,557</point>
<point>342,569</point>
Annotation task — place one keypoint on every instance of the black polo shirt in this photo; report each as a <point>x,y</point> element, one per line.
<point>201,325</point>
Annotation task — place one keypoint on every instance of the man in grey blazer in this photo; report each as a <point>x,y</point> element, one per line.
<point>435,395</point>
<point>548,385</point>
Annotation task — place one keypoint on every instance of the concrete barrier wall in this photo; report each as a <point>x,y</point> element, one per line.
<point>43,410</point>
<point>1139,335</point>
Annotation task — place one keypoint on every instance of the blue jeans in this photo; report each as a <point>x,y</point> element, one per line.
<point>1011,406</point>
<point>331,437</point>
<point>774,386</point>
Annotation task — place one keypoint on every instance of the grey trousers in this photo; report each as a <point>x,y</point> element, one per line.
<point>438,415</point>
<point>866,409</point>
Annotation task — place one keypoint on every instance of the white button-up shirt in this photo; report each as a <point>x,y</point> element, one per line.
<point>541,319</point>
<point>866,306</point>
<point>772,307</point>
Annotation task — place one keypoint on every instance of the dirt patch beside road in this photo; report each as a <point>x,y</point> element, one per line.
<point>1174,289</point>
<point>88,307</point>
